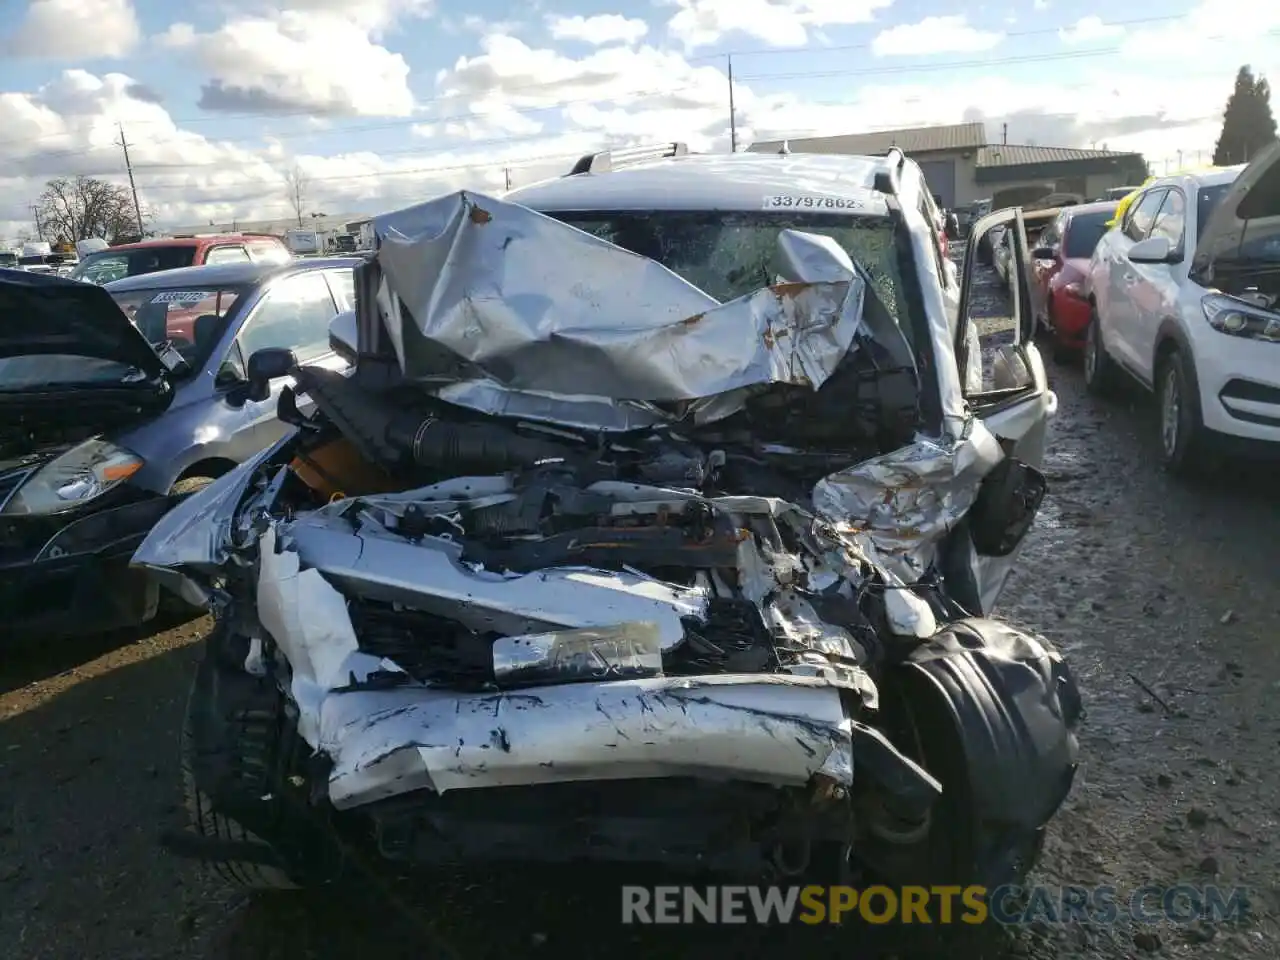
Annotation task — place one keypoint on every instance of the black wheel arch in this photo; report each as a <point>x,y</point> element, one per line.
<point>1170,336</point>
<point>1003,710</point>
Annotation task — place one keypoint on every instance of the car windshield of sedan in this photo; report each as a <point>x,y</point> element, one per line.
<point>108,265</point>
<point>733,255</point>
<point>1083,234</point>
<point>191,319</point>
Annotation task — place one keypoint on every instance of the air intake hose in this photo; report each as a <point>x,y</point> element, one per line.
<point>471,447</point>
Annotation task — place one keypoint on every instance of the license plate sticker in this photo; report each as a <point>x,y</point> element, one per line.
<point>181,296</point>
<point>806,201</point>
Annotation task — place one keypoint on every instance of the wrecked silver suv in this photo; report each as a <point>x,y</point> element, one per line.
<point>679,557</point>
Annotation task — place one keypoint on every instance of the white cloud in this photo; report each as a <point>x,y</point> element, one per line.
<point>376,17</point>
<point>1040,4</point>
<point>1216,32</point>
<point>532,111</point>
<point>320,60</point>
<point>1090,30</point>
<point>598,30</point>
<point>949,34</point>
<point>781,23</point>
<point>526,77</point>
<point>73,30</point>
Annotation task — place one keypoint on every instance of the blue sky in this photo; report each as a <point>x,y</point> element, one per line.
<point>376,101</point>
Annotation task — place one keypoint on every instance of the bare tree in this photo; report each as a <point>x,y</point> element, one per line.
<point>84,207</point>
<point>297,184</point>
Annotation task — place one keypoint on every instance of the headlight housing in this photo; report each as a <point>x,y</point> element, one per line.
<point>83,473</point>
<point>1239,319</point>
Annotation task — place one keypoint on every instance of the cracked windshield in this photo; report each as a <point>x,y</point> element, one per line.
<point>661,480</point>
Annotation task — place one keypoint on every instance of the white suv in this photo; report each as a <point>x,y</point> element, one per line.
<point>1184,293</point>
<point>615,537</point>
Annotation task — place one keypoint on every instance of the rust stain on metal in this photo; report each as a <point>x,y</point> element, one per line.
<point>690,321</point>
<point>771,336</point>
<point>784,290</point>
<point>478,215</point>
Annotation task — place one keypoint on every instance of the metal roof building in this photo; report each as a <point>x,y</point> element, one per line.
<point>962,166</point>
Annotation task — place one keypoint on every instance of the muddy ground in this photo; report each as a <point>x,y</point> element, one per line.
<point>1163,595</point>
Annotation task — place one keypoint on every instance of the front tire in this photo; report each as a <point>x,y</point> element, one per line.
<point>239,753</point>
<point>1181,425</point>
<point>1100,372</point>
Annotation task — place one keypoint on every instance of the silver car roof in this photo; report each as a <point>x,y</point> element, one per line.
<point>736,182</point>
<point>228,274</point>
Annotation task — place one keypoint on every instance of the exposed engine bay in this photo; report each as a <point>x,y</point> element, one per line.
<point>720,638</point>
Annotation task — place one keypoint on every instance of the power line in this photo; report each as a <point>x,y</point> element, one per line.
<point>627,98</point>
<point>419,120</point>
<point>701,58</point>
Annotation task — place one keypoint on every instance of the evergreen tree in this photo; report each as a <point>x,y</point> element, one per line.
<point>1247,122</point>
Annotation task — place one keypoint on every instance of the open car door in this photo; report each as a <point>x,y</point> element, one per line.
<point>1006,386</point>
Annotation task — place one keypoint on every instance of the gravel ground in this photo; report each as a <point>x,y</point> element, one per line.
<point>1162,594</point>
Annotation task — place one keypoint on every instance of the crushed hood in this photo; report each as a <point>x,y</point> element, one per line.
<point>491,291</point>
<point>500,310</point>
<point>1253,195</point>
<point>47,314</point>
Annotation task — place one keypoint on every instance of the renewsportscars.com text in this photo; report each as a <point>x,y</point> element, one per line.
<point>1008,905</point>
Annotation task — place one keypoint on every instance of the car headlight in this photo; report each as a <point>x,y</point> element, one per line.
<point>81,474</point>
<point>1238,319</point>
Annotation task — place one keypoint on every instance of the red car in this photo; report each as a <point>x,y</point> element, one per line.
<point>171,253</point>
<point>1060,263</point>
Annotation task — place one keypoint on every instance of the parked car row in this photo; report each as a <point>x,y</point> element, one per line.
<point>1184,294</point>
<point>1175,287</point>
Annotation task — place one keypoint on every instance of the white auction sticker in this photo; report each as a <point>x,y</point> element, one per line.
<point>810,202</point>
<point>181,296</point>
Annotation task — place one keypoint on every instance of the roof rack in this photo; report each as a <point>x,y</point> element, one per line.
<point>886,181</point>
<point>606,160</point>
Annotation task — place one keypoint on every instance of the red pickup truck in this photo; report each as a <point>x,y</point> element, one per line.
<point>171,253</point>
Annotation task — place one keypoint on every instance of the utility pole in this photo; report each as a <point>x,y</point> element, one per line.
<point>733,113</point>
<point>506,172</point>
<point>39,226</point>
<point>137,207</point>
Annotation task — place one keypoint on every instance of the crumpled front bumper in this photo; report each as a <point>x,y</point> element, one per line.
<point>758,729</point>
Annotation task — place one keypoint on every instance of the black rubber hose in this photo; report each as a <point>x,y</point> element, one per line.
<point>469,447</point>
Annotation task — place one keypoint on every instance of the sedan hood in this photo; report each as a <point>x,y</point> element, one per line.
<point>46,314</point>
<point>1254,195</point>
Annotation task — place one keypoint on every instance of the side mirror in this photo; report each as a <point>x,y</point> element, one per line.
<point>343,336</point>
<point>1151,250</point>
<point>264,365</point>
